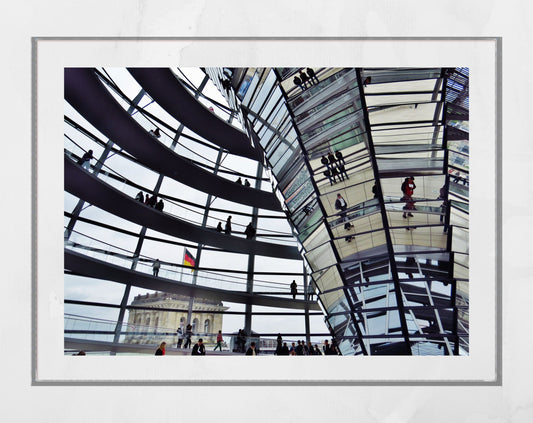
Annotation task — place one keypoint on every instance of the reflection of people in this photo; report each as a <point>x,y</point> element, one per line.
<point>312,76</point>
<point>340,204</point>
<point>340,157</point>
<point>408,188</point>
<point>325,162</point>
<point>304,78</point>
<point>298,81</point>
<point>161,349</point>
<point>327,173</point>
<point>155,267</point>
<point>294,289</point>
<point>342,171</point>
<point>199,348</point>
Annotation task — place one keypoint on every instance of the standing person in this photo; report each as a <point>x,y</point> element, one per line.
<point>310,292</point>
<point>326,348</point>
<point>180,337</point>
<point>299,350</point>
<point>249,231</point>
<point>246,183</point>
<point>219,341</point>
<point>219,227</point>
<point>152,201</point>
<point>155,267</point>
<point>297,81</point>
<point>251,349</point>
<point>317,350</point>
<point>310,350</point>
<point>159,206</point>
<point>331,158</point>
<point>239,181</point>
<point>340,204</point>
<point>294,289</point>
<point>188,336</point>
<point>312,75</point>
<point>85,160</point>
<point>279,341</point>
<point>304,78</point>
<point>161,349</point>
<point>292,349</point>
<point>199,348</point>
<point>408,188</point>
<point>228,226</point>
<point>242,340</point>
<point>140,197</point>
<point>284,349</point>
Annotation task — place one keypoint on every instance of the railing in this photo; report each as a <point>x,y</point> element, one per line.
<point>108,253</point>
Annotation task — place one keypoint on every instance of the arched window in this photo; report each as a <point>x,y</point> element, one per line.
<point>207,329</point>
<point>156,322</point>
<point>195,325</point>
<point>148,321</point>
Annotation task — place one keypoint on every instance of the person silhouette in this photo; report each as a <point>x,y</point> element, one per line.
<point>312,76</point>
<point>304,78</point>
<point>294,289</point>
<point>297,81</point>
<point>228,226</point>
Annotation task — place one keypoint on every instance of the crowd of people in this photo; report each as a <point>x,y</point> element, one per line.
<point>303,348</point>
<point>296,348</point>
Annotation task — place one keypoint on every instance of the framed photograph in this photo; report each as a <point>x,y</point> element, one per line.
<point>368,180</point>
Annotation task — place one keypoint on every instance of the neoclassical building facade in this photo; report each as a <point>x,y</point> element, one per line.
<point>160,322</point>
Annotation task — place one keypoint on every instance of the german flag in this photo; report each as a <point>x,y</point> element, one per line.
<point>188,259</point>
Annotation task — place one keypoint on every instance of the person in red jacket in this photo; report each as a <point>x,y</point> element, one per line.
<point>219,341</point>
<point>408,188</point>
